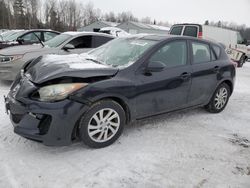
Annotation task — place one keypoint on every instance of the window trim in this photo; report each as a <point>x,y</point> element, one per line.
<point>164,44</point>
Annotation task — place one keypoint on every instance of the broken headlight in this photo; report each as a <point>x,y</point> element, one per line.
<point>58,91</point>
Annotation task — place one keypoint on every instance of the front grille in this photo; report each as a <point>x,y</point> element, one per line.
<point>44,124</point>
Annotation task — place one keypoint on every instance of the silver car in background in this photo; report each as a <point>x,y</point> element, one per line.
<point>13,58</point>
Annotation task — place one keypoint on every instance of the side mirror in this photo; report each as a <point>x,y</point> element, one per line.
<point>155,66</point>
<point>20,40</point>
<point>68,47</point>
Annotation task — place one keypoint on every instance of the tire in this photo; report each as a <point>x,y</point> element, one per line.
<point>241,61</point>
<point>103,124</point>
<point>219,99</point>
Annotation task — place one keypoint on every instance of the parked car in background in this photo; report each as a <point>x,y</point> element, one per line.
<point>114,31</point>
<point>25,37</point>
<point>56,99</point>
<point>8,33</point>
<point>13,58</point>
<point>235,45</point>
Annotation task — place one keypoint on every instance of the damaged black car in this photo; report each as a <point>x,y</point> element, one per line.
<point>90,97</point>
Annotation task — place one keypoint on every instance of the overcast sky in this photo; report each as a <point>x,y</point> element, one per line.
<point>182,10</point>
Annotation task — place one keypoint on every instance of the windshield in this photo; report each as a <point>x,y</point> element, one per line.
<point>122,51</point>
<point>14,36</point>
<point>57,41</point>
<point>5,34</point>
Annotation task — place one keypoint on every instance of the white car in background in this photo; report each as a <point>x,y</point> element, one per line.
<point>114,31</point>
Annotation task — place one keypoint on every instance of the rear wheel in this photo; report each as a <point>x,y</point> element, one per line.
<point>102,124</point>
<point>219,100</point>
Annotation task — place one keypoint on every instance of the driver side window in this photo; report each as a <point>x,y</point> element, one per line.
<point>172,54</point>
<point>32,37</point>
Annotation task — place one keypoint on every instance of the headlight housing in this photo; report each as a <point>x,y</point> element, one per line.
<point>6,59</point>
<point>58,92</point>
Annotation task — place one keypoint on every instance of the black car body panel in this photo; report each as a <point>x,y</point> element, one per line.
<point>141,93</point>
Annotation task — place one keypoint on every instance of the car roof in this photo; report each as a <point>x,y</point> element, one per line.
<point>32,30</point>
<point>158,37</point>
<point>77,33</point>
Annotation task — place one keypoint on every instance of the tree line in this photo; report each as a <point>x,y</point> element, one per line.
<point>65,15</point>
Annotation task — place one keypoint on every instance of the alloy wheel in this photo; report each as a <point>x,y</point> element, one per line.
<point>103,125</point>
<point>221,98</point>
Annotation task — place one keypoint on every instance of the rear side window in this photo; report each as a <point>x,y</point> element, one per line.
<point>201,52</point>
<point>100,40</point>
<point>191,31</point>
<point>172,54</point>
<point>216,50</point>
<point>177,30</point>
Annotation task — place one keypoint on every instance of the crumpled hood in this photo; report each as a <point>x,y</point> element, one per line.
<point>50,67</point>
<point>22,49</point>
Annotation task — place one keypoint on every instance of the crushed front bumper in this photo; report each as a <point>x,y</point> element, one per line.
<point>49,123</point>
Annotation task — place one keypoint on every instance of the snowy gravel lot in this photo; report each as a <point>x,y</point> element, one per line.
<point>183,149</point>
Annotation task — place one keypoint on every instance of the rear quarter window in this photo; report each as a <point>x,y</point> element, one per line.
<point>217,50</point>
<point>201,52</point>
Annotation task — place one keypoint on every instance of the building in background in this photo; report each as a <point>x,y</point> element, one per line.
<point>96,26</point>
<point>129,27</point>
<point>136,27</point>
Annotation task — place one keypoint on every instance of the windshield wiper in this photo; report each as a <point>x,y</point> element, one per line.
<point>95,61</point>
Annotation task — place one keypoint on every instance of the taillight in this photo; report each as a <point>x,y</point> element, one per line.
<point>200,35</point>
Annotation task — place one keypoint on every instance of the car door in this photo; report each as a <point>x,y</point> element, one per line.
<point>205,71</point>
<point>168,89</point>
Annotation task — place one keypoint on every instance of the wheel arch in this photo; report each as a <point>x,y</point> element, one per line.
<point>230,84</point>
<point>122,102</point>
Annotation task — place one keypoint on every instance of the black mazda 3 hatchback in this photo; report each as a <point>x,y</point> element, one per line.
<point>58,99</point>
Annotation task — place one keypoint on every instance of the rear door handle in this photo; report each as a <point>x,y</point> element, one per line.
<point>216,69</point>
<point>185,75</point>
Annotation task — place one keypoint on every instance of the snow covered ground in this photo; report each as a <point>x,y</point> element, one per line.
<point>184,149</point>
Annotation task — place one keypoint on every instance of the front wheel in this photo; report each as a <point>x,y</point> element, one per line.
<point>219,100</point>
<point>102,124</point>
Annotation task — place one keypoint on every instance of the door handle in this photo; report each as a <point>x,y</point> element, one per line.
<point>216,69</point>
<point>185,75</point>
